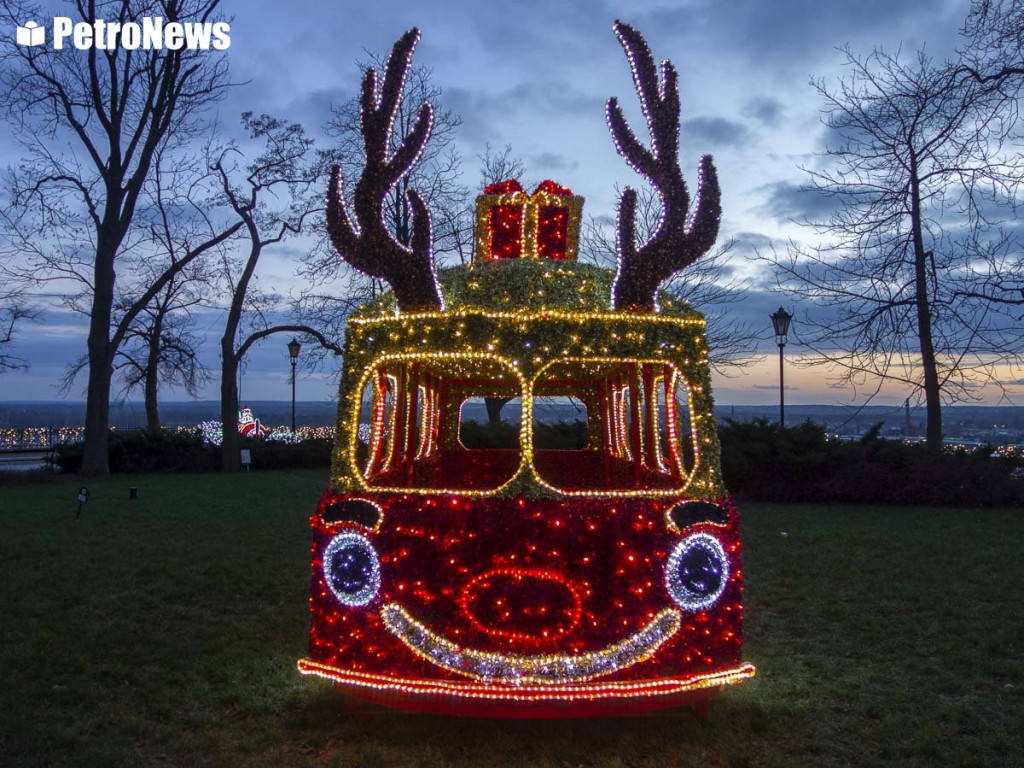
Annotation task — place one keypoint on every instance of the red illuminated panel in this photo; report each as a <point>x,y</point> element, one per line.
<point>552,231</point>
<point>506,230</point>
<point>457,578</point>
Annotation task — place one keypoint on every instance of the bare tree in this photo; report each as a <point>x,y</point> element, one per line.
<point>162,347</point>
<point>91,123</point>
<point>496,167</point>
<point>174,224</point>
<point>274,197</point>
<point>993,52</point>
<point>13,310</point>
<point>158,347</point>
<point>917,176</point>
<point>993,55</point>
<point>160,344</point>
<point>708,285</point>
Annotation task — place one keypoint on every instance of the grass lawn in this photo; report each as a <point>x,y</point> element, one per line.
<point>164,632</point>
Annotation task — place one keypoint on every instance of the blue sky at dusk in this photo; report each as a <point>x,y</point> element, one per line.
<point>536,75</point>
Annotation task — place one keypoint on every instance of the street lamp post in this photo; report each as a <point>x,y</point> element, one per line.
<point>780,322</point>
<point>293,352</point>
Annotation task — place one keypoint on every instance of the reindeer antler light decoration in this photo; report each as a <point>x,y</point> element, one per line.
<point>680,239</point>
<point>368,246</point>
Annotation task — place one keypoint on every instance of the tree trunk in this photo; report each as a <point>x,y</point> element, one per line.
<point>153,375</point>
<point>95,458</point>
<point>932,394</point>
<point>231,459</point>
<point>494,406</point>
<point>230,358</point>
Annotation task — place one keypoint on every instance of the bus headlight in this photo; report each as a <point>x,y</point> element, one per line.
<point>697,572</point>
<point>352,569</point>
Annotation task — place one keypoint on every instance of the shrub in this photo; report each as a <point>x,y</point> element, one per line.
<point>473,434</point>
<point>145,451</point>
<point>762,462</point>
<point>562,435</point>
<point>164,451</point>
<point>305,454</point>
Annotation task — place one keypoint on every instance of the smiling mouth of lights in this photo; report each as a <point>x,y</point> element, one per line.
<point>514,669</point>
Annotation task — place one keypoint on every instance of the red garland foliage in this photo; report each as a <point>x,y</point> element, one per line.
<point>553,189</point>
<point>518,576</point>
<point>552,231</point>
<point>507,231</point>
<point>503,187</point>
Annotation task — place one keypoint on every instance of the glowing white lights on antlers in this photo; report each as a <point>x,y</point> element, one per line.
<point>645,106</point>
<point>370,247</point>
<point>682,234</point>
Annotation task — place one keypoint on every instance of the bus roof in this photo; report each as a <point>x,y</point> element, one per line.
<point>517,285</point>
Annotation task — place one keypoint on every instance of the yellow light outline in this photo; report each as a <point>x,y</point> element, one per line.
<point>502,692</point>
<point>624,493</point>
<point>410,356</point>
<point>528,315</point>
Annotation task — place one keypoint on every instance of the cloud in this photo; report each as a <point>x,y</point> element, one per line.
<point>313,108</point>
<point>483,110</point>
<point>774,388</point>
<point>787,201</point>
<point>747,243</point>
<point>550,161</point>
<point>714,130</point>
<point>789,33</point>
<point>532,31</point>
<point>764,109</point>
<point>549,97</point>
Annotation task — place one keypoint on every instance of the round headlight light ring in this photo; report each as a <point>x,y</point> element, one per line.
<point>361,556</point>
<point>699,544</point>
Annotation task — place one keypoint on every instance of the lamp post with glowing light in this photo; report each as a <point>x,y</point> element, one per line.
<point>293,352</point>
<point>780,322</point>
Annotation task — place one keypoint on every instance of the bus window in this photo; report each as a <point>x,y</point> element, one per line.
<point>560,423</point>
<point>490,422</point>
<point>411,428</point>
<point>632,431</point>
<point>687,443</point>
<point>375,405</point>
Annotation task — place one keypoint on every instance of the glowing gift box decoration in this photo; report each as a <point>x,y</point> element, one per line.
<point>511,224</point>
<point>526,580</point>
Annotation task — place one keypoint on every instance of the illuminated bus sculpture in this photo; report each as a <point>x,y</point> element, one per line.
<point>526,581</point>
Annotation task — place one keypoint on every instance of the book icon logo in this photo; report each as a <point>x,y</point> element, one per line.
<point>31,34</point>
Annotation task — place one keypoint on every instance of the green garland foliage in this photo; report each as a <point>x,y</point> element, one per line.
<point>526,284</point>
<point>523,321</point>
